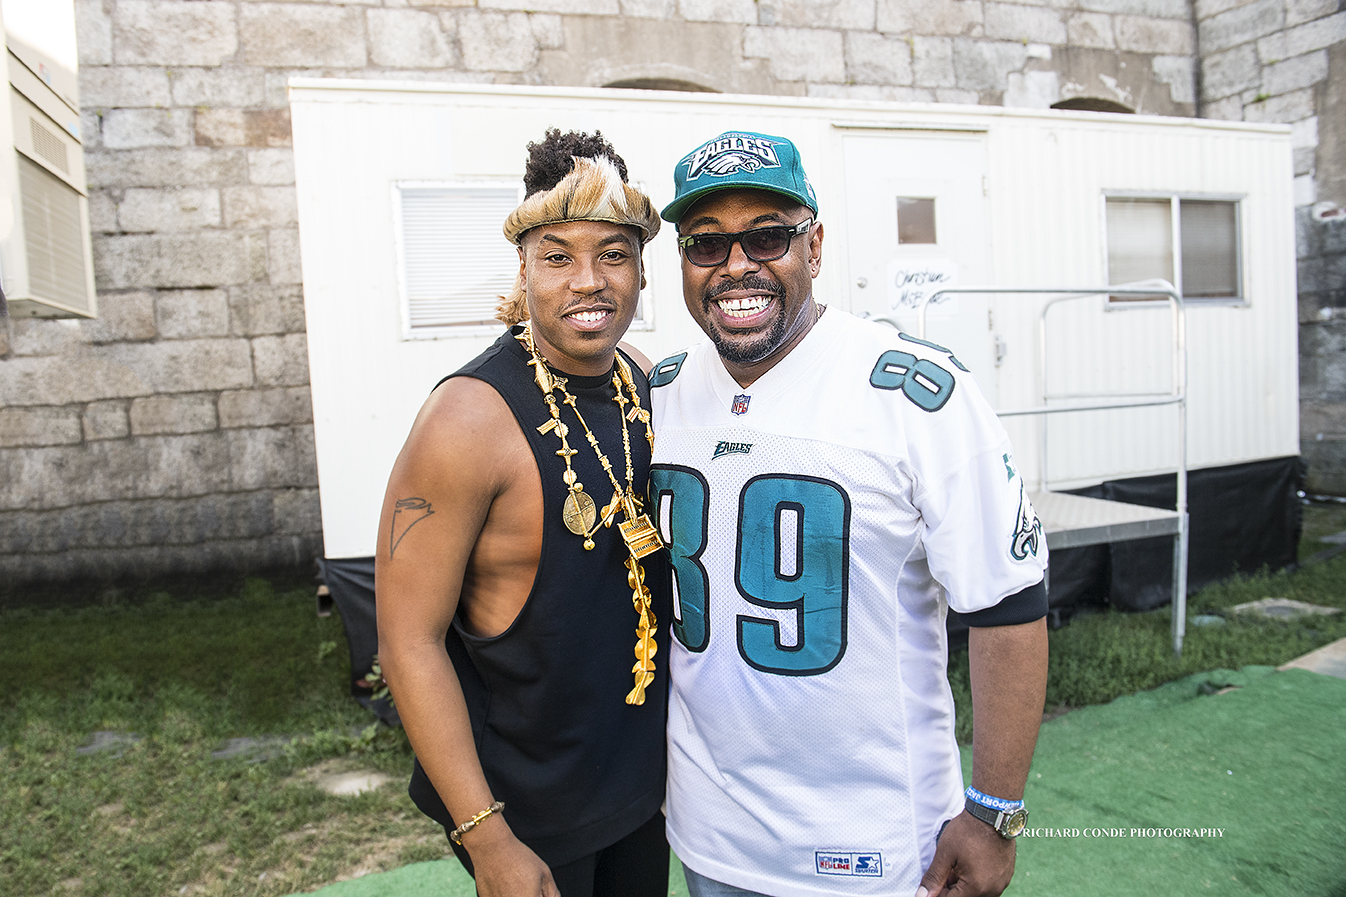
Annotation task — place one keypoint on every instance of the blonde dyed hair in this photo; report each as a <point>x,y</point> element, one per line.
<point>592,191</point>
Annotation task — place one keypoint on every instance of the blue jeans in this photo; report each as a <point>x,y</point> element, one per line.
<point>700,886</point>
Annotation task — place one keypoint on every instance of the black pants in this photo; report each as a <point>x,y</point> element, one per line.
<point>636,866</point>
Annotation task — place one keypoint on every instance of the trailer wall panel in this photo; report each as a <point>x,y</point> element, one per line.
<point>1047,174</point>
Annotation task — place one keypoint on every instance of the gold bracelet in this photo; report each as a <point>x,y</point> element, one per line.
<point>456,836</point>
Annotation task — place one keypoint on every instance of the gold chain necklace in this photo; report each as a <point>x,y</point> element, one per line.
<point>579,512</point>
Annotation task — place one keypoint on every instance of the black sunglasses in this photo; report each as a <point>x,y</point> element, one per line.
<point>761,244</point>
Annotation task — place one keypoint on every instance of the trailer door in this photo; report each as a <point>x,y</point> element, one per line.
<point>916,220</point>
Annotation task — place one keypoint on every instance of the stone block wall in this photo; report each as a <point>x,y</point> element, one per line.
<point>174,433</point>
<point>1285,61</point>
<point>1322,344</point>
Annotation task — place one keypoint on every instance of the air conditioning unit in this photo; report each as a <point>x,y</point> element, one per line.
<point>46,256</point>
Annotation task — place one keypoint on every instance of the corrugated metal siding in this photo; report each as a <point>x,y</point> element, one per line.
<point>1048,189</point>
<point>1047,173</point>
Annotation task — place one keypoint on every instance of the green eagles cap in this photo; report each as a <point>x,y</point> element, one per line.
<point>739,159</point>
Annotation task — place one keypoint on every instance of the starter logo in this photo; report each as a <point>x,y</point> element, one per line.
<point>836,863</point>
<point>731,448</point>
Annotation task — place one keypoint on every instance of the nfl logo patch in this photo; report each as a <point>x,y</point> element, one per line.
<point>740,405</point>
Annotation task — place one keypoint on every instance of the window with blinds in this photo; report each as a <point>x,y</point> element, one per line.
<point>455,263</point>
<point>1147,235</point>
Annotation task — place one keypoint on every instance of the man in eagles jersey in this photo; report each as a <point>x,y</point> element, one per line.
<point>829,489</point>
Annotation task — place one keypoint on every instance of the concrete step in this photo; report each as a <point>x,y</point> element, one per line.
<point>1330,660</point>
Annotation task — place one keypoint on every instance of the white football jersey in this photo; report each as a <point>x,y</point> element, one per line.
<point>821,523</point>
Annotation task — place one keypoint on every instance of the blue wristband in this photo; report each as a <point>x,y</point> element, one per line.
<point>995,803</point>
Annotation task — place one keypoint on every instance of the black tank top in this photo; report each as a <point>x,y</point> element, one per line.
<point>577,767</point>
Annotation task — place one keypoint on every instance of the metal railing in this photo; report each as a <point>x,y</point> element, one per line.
<point>1177,397</point>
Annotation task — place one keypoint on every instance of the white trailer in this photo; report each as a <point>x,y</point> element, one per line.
<point>402,189</point>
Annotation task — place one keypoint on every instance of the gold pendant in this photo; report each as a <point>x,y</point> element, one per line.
<point>645,651</point>
<point>640,535</point>
<point>636,696</point>
<point>646,647</point>
<point>610,510</point>
<point>579,513</point>
<point>644,668</point>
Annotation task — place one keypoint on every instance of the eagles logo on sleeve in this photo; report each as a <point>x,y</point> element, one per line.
<point>1028,529</point>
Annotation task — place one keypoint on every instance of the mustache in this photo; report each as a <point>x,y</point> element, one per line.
<point>750,282</point>
<point>598,301</point>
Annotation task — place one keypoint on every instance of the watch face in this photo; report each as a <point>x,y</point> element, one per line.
<point>1014,824</point>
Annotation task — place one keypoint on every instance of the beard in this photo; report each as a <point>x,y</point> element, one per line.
<point>739,351</point>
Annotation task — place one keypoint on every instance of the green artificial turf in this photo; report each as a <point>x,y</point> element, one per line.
<point>1178,790</point>
<point>442,878</point>
<point>1124,797</point>
<point>438,878</point>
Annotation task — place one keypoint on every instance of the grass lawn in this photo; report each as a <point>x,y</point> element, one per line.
<point>1321,520</point>
<point>173,674</point>
<point>157,814</point>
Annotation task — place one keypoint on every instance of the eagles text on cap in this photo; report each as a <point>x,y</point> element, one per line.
<point>739,160</point>
<point>731,152</point>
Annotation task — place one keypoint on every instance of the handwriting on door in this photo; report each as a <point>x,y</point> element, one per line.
<point>911,282</point>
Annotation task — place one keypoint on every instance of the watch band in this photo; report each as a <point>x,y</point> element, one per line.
<point>1007,817</point>
<point>995,803</point>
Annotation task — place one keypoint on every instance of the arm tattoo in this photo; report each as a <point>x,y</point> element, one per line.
<point>408,513</point>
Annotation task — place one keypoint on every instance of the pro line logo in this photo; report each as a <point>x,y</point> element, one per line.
<point>836,863</point>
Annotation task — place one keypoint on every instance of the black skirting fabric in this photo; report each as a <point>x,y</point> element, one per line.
<point>1244,517</point>
<point>351,584</point>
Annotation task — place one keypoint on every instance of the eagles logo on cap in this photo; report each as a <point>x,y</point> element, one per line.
<point>740,159</point>
<point>729,153</point>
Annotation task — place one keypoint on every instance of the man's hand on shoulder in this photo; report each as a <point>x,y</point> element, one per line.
<point>971,860</point>
<point>637,356</point>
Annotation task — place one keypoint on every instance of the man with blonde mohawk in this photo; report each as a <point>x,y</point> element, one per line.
<point>519,579</point>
